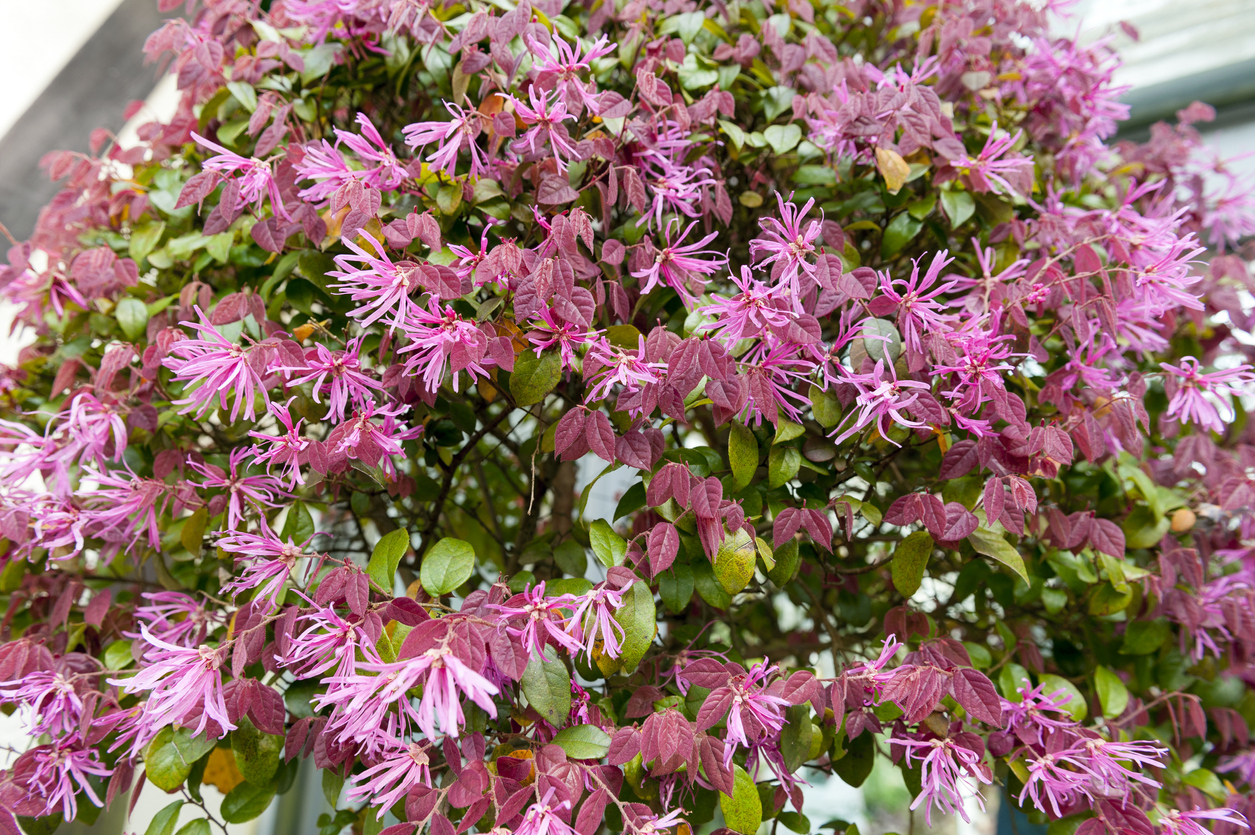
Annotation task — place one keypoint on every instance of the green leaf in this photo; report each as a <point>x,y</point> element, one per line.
<point>734,562</point>
<point>1052,684</point>
<point>534,377</point>
<point>144,240</point>
<point>994,546</point>
<point>1208,783</point>
<point>742,455</point>
<point>246,802</point>
<point>1011,679</point>
<point>11,576</point>
<point>132,316</point>
<point>384,560</point>
<point>244,94</point>
<point>332,784</point>
<point>448,198</point>
<point>797,822</point>
<point>256,753</point>
<point>880,341</point>
<point>1112,694</point>
<point>782,138</point>
<point>783,463</point>
<point>707,586</point>
<point>788,561</point>
<point>169,758</point>
<point>632,501</point>
<point>583,742</point>
<point>734,133</point>
<point>1108,600</point>
<point>958,206</point>
<point>825,407</point>
<point>686,25</point>
<point>299,525</point>
<point>547,686</point>
<point>900,232</point>
<point>994,210</point>
<point>447,565</point>
<point>910,559</point>
<point>638,617</point>
<point>609,547</point>
<point>196,826</point>
<point>193,533</point>
<point>787,430</point>
<point>1142,529</point>
<point>676,587</point>
<point>570,558</point>
<point>795,737</point>
<point>118,655</point>
<point>163,822</point>
<point>776,100</point>
<point>219,246</point>
<point>626,337</point>
<point>743,811</point>
<point>1142,637</point>
<point>860,757</point>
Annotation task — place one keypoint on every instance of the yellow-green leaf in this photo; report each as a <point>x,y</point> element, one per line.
<point>910,559</point>
<point>994,546</point>
<point>734,563</point>
<point>893,168</point>
<point>743,811</point>
<point>742,455</point>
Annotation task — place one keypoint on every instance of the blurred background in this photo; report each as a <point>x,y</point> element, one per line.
<point>71,66</point>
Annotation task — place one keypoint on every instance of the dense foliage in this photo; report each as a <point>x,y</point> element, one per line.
<point>930,394</point>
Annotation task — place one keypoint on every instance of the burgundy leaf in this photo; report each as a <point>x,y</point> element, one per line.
<point>570,435</point>
<point>714,708</point>
<point>624,745</point>
<point>662,545</point>
<point>787,524</point>
<point>959,460</point>
<point>960,522</point>
<point>1107,537</point>
<point>600,436</point>
<point>975,692</point>
<point>555,190</point>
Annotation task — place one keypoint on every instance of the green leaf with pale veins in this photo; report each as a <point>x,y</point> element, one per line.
<point>170,755</point>
<point>547,686</point>
<point>446,566</point>
<point>583,742</point>
<point>534,377</point>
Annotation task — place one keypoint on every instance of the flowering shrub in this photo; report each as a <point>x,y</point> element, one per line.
<point>930,396</point>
